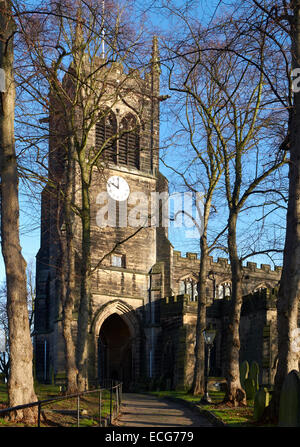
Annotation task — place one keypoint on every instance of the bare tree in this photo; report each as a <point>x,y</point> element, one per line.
<point>241,109</point>
<point>282,22</point>
<point>277,23</point>
<point>20,386</point>
<point>200,171</point>
<point>4,323</point>
<point>82,80</point>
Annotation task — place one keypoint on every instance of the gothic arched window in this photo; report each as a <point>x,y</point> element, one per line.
<point>129,142</point>
<point>106,136</point>
<point>181,287</point>
<point>224,290</point>
<point>189,289</point>
<point>188,286</point>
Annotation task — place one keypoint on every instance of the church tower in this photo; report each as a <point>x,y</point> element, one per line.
<point>126,244</point>
<point>142,314</point>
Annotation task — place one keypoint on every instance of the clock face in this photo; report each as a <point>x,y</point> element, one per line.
<point>118,188</point>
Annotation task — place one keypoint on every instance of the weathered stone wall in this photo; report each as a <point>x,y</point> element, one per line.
<point>219,272</point>
<point>128,285</point>
<point>173,340</point>
<point>162,330</point>
<point>257,332</point>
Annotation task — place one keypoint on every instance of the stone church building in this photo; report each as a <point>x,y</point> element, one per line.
<point>143,307</point>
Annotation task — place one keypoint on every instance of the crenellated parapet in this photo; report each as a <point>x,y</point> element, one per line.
<point>186,269</point>
<point>182,304</point>
<point>221,263</point>
<point>177,305</point>
<point>264,268</point>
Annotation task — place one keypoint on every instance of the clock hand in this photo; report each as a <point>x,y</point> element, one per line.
<point>113,184</point>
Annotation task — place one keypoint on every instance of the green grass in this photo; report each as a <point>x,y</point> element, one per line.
<point>63,412</point>
<point>88,422</point>
<point>231,416</point>
<point>234,417</point>
<point>4,423</point>
<point>56,412</point>
<point>217,396</point>
<point>3,395</point>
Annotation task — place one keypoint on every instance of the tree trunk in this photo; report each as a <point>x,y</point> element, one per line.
<point>198,379</point>
<point>289,290</point>
<point>68,276</point>
<point>20,385</point>
<point>83,316</point>
<point>235,394</point>
<point>68,307</point>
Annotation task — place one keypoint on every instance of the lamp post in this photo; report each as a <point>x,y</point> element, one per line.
<point>209,336</point>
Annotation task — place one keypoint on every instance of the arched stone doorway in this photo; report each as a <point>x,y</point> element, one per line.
<point>117,337</point>
<point>115,351</point>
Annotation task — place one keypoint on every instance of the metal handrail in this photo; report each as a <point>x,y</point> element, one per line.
<point>40,403</point>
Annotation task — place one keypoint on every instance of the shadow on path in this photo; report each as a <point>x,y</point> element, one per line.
<point>139,410</point>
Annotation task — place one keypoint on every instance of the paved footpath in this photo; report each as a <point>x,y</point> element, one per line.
<point>139,410</point>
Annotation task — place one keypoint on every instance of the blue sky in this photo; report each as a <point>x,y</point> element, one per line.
<point>30,214</point>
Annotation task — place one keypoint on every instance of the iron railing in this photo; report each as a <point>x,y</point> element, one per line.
<point>115,398</point>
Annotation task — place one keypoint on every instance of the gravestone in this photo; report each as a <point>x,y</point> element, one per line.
<point>289,407</point>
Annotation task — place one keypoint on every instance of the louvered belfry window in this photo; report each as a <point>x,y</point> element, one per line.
<point>128,153</point>
<point>106,134</point>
